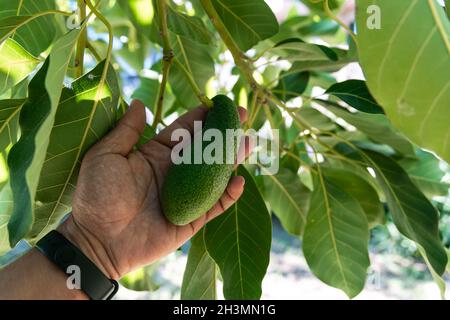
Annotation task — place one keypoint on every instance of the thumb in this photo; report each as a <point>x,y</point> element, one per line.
<point>127,132</point>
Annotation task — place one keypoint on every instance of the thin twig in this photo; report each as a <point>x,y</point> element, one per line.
<point>330,14</point>
<point>81,44</point>
<point>239,57</point>
<point>252,110</point>
<point>94,52</point>
<point>110,44</point>
<point>168,55</point>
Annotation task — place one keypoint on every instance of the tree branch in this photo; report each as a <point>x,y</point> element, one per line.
<point>161,6</point>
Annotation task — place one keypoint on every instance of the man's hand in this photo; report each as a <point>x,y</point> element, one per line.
<point>117,220</point>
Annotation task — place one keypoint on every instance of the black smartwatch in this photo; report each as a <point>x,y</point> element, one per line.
<point>65,255</point>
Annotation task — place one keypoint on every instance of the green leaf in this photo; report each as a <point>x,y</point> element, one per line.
<point>15,64</point>
<point>307,26</point>
<point>39,32</point>
<point>141,279</point>
<point>25,153</point>
<point>343,58</point>
<point>447,8</point>
<point>37,117</point>
<point>291,161</point>
<point>336,238</point>
<point>188,26</point>
<point>317,6</point>
<point>199,63</point>
<point>292,85</point>
<point>85,114</point>
<point>148,91</point>
<point>322,27</point>
<point>288,199</point>
<point>141,14</point>
<point>6,207</point>
<point>148,134</point>
<point>199,280</point>
<point>319,79</point>
<point>239,242</point>
<point>316,119</point>
<point>376,126</point>
<point>9,122</point>
<point>134,52</point>
<point>357,168</point>
<point>426,173</point>
<point>20,91</point>
<point>9,25</point>
<point>406,65</point>
<point>248,22</point>
<point>360,190</point>
<point>356,94</point>
<point>439,280</point>
<point>9,133</point>
<point>297,50</point>
<point>413,214</point>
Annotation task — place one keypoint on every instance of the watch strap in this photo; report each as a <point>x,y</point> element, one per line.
<point>64,255</point>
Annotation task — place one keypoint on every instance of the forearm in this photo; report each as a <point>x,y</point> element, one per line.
<point>34,277</point>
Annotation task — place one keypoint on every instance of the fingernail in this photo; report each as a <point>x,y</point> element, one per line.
<point>135,104</point>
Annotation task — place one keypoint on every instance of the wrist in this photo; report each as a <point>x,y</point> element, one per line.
<point>41,274</point>
<point>91,247</point>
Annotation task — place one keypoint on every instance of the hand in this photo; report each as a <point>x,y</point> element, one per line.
<point>117,219</point>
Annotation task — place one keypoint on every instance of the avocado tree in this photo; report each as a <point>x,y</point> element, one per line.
<point>351,152</point>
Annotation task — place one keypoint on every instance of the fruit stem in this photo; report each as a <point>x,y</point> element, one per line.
<point>201,96</point>
<point>239,57</point>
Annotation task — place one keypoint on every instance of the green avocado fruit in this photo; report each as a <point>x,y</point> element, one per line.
<point>190,190</point>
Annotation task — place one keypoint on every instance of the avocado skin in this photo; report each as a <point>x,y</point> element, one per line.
<point>190,190</point>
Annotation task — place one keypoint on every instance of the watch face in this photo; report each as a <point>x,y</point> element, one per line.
<point>65,255</point>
